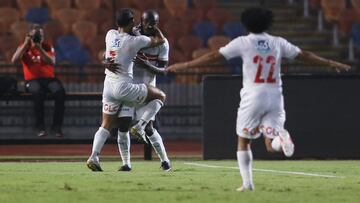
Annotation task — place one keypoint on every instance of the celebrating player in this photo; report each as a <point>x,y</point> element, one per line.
<point>147,58</point>
<point>261,108</point>
<point>121,49</point>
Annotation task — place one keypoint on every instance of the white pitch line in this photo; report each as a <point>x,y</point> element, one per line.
<point>266,170</point>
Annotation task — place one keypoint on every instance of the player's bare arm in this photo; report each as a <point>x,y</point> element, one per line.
<point>207,59</point>
<point>160,70</point>
<point>111,65</point>
<point>310,57</point>
<point>158,39</point>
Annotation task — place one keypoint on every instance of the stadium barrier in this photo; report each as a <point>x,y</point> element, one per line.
<point>15,136</point>
<point>322,115</point>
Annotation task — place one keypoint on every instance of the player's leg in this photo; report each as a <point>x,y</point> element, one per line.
<point>272,144</point>
<point>245,158</point>
<point>109,118</point>
<point>277,139</point>
<point>158,145</point>
<point>153,102</point>
<point>249,116</point>
<point>100,138</point>
<point>124,122</point>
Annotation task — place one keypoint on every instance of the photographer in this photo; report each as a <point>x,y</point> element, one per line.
<point>38,60</point>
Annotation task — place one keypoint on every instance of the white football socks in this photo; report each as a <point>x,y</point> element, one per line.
<point>158,145</point>
<point>100,138</point>
<point>151,110</point>
<point>123,141</point>
<point>245,165</point>
<point>276,144</point>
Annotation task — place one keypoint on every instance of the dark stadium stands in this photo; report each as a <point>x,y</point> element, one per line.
<point>77,30</point>
<point>181,20</point>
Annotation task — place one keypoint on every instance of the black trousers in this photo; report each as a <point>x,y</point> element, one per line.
<point>39,88</point>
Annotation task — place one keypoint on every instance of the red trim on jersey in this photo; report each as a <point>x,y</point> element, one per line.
<point>148,57</point>
<point>34,67</point>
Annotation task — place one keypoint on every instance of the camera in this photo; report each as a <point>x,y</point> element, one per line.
<point>36,37</point>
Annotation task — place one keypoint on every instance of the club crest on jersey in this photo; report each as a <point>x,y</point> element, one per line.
<point>263,46</point>
<point>115,43</point>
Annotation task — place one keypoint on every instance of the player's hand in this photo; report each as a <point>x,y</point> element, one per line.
<point>339,66</point>
<point>140,62</point>
<point>110,64</point>
<point>176,67</point>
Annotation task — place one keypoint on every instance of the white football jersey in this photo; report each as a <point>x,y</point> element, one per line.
<point>123,48</point>
<point>153,54</point>
<point>261,55</point>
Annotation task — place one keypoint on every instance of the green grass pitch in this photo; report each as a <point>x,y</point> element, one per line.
<point>59,182</point>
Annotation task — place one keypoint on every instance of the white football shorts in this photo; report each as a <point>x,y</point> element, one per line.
<point>117,93</point>
<point>260,112</point>
<point>134,112</point>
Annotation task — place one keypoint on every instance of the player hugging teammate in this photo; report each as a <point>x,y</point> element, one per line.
<point>149,62</point>
<point>122,46</point>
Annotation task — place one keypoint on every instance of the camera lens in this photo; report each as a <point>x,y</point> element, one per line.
<point>36,37</point>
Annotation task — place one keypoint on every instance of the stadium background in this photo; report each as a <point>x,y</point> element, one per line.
<point>193,27</point>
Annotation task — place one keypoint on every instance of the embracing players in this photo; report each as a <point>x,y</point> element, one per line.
<point>150,61</point>
<point>121,48</point>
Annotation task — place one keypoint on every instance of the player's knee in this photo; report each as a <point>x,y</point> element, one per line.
<point>162,96</point>
<point>124,124</point>
<point>155,93</point>
<point>244,144</point>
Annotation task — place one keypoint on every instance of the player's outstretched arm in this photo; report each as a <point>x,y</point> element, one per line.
<point>312,58</point>
<point>206,59</point>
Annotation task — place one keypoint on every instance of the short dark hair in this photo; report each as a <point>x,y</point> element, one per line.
<point>257,19</point>
<point>151,15</point>
<point>124,17</point>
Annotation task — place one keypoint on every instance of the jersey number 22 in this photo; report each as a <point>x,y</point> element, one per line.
<point>269,60</point>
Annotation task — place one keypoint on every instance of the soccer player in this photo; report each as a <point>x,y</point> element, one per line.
<point>156,56</point>
<point>121,49</point>
<point>261,108</point>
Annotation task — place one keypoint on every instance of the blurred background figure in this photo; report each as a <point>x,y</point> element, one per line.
<point>38,59</point>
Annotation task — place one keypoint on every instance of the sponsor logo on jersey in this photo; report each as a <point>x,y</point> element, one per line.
<point>109,108</point>
<point>252,132</point>
<point>262,46</point>
<point>268,130</point>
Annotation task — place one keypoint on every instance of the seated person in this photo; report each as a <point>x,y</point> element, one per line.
<point>38,60</point>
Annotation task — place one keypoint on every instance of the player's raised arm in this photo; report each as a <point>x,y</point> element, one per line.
<point>206,59</point>
<point>311,57</point>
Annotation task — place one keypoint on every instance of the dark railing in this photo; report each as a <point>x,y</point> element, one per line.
<point>180,117</point>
